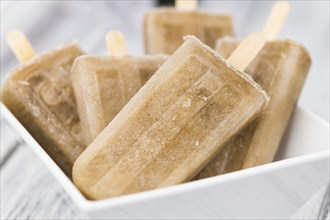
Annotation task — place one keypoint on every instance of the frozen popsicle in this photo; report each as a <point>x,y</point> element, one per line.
<point>174,125</point>
<point>39,93</point>
<point>165,27</point>
<point>104,84</point>
<point>280,69</point>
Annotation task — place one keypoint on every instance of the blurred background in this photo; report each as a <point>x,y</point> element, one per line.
<point>49,24</point>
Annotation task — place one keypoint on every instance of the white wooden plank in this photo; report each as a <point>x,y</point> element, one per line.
<point>312,208</point>
<point>9,141</point>
<point>29,191</point>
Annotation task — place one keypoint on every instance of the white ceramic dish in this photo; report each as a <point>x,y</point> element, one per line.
<point>275,190</point>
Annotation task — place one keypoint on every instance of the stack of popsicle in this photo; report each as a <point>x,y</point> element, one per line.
<point>156,120</point>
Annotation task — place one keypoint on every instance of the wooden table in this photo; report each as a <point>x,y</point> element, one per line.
<point>28,190</point>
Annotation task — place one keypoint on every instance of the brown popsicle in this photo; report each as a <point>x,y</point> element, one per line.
<point>174,125</point>
<point>104,84</point>
<point>165,27</point>
<point>40,95</point>
<point>280,69</point>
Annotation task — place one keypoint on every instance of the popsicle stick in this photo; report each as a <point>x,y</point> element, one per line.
<point>20,45</point>
<point>116,43</point>
<point>186,5</point>
<point>246,51</point>
<point>276,19</point>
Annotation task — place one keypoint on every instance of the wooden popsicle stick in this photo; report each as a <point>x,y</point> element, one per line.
<point>20,45</point>
<point>246,51</point>
<point>116,43</point>
<point>276,19</point>
<point>186,5</point>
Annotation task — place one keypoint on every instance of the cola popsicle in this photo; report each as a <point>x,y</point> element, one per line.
<point>165,27</point>
<point>172,127</point>
<point>104,84</point>
<point>40,95</point>
<point>280,68</point>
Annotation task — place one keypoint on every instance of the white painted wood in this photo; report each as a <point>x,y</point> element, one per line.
<point>9,140</point>
<point>313,207</point>
<point>27,188</point>
<point>28,191</point>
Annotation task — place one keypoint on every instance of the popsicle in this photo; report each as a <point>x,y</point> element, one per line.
<point>174,125</point>
<point>39,93</point>
<point>165,27</point>
<point>280,69</point>
<point>104,84</point>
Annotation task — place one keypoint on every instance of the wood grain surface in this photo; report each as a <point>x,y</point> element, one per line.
<point>28,190</point>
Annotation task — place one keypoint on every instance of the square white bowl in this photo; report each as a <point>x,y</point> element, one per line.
<point>274,190</point>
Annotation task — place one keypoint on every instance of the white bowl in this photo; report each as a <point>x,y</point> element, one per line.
<point>274,190</point>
